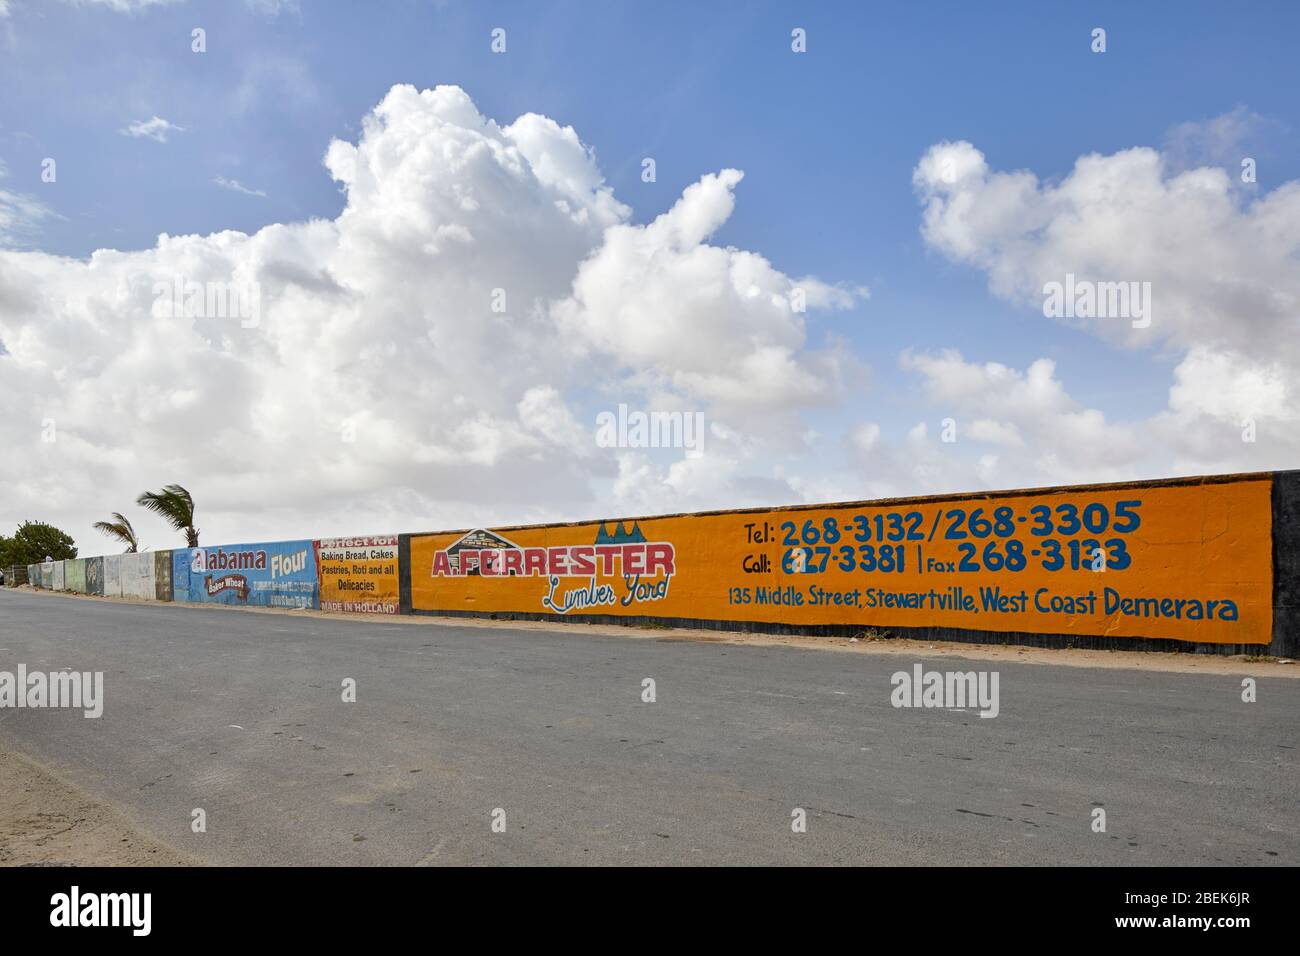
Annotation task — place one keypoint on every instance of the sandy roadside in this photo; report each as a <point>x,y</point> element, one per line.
<point>46,821</point>
<point>900,647</point>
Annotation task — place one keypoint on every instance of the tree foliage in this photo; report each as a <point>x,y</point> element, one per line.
<point>33,542</point>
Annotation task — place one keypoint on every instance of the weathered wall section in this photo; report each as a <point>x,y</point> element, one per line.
<point>1204,564</point>
<point>74,575</point>
<point>95,576</point>
<point>162,575</point>
<point>112,575</point>
<point>1286,564</point>
<point>136,571</point>
<point>181,560</point>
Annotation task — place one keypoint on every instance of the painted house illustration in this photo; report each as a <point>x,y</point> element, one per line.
<point>476,540</point>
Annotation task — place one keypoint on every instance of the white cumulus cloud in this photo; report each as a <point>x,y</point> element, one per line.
<point>431,357</point>
<point>1223,267</point>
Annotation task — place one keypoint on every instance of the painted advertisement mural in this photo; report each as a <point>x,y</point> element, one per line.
<point>1187,561</point>
<point>268,574</point>
<point>358,575</point>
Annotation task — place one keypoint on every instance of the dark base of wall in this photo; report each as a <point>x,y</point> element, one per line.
<point>1286,564</point>
<point>1082,641</point>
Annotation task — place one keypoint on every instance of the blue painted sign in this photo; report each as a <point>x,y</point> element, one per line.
<point>270,574</point>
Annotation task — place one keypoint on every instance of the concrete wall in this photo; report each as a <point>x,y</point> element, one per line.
<point>74,575</point>
<point>95,575</point>
<point>1286,564</point>
<point>146,575</point>
<point>112,575</point>
<point>1208,564</point>
<point>181,560</point>
<point>162,575</point>
<point>125,575</point>
<point>136,573</point>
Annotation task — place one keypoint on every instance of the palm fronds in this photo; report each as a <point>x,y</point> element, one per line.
<point>120,529</point>
<point>175,505</point>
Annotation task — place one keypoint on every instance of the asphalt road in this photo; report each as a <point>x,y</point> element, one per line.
<point>241,714</point>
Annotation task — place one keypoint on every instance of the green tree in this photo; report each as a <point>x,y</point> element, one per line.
<point>33,542</point>
<point>176,507</point>
<point>121,529</point>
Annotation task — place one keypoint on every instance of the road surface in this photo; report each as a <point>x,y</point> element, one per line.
<point>241,714</point>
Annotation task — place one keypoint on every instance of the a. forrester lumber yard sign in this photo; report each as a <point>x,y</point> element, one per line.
<point>1185,561</point>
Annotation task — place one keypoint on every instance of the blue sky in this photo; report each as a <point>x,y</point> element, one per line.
<point>828,140</point>
<point>696,86</point>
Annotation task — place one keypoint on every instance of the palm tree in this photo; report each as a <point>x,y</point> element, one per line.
<point>121,529</point>
<point>176,507</point>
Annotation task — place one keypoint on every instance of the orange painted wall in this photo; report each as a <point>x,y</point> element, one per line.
<point>1178,546</point>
